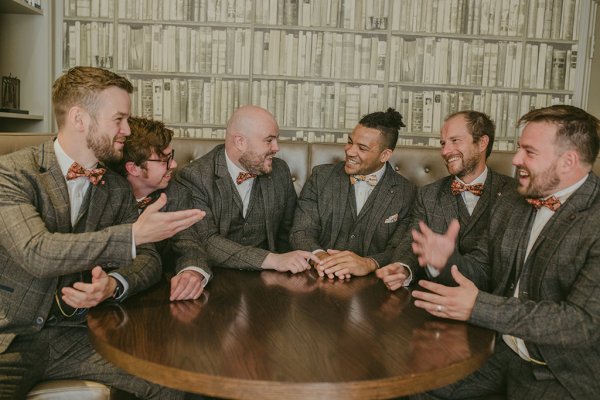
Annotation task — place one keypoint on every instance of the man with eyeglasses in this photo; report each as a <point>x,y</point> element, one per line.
<point>148,165</point>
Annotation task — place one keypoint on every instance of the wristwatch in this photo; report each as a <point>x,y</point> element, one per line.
<point>118,290</point>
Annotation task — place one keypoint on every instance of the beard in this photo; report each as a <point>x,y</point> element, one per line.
<point>468,166</point>
<point>540,184</point>
<point>255,163</point>
<point>102,146</point>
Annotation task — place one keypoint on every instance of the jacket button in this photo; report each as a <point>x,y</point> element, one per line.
<point>39,320</point>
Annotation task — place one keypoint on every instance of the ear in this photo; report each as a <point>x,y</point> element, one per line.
<point>132,169</point>
<point>385,155</point>
<point>240,142</point>
<point>76,118</point>
<point>570,159</point>
<point>483,143</point>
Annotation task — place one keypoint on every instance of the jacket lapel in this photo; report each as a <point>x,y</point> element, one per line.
<point>490,190</point>
<point>340,186</point>
<point>225,189</point>
<point>52,178</point>
<point>265,183</point>
<point>382,192</point>
<point>448,201</point>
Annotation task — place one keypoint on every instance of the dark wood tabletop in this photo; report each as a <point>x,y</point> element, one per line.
<point>272,335</point>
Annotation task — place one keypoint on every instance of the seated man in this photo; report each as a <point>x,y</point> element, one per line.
<point>148,164</point>
<point>539,259</point>
<point>351,214</point>
<point>65,219</point>
<point>467,194</point>
<point>248,197</point>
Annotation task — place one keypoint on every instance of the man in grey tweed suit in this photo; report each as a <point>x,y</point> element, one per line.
<point>540,260</point>
<point>351,214</point>
<point>467,194</point>
<point>62,223</point>
<point>248,197</point>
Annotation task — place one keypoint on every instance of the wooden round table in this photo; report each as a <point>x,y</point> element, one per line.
<point>272,335</point>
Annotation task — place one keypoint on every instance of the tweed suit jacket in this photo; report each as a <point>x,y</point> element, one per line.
<point>437,207</point>
<point>37,246</point>
<point>212,190</point>
<point>557,312</point>
<point>322,204</point>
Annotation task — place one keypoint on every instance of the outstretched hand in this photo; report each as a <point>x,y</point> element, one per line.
<point>154,225</point>
<point>432,248</point>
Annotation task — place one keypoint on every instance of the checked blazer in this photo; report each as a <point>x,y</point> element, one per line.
<point>557,312</point>
<point>212,190</point>
<point>323,202</point>
<point>437,207</point>
<point>37,246</point>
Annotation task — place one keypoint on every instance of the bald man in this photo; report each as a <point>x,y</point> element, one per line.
<point>248,197</point>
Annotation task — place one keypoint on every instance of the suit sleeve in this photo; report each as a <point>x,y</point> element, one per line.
<point>220,250</point>
<point>45,254</point>
<point>306,229</point>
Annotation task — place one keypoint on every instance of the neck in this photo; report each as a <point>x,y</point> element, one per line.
<point>76,149</point>
<point>139,191</point>
<point>473,174</point>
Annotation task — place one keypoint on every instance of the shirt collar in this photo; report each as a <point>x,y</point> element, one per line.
<point>64,161</point>
<point>233,169</point>
<point>480,179</point>
<point>564,194</point>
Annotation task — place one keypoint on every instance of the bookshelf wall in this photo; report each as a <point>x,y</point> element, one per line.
<point>319,65</point>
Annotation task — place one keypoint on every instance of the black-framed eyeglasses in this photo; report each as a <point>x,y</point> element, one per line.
<point>169,158</point>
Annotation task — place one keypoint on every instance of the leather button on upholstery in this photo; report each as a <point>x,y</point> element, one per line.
<point>427,170</point>
<point>293,179</point>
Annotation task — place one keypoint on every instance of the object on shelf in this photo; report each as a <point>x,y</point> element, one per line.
<point>11,95</point>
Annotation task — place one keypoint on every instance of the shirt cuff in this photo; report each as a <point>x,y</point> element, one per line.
<point>123,282</point>
<point>198,270</point>
<point>133,252</point>
<point>433,273</point>
<point>408,280</point>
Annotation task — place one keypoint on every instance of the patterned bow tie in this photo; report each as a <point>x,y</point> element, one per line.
<point>94,175</point>
<point>370,180</point>
<point>458,187</point>
<point>552,203</point>
<point>244,176</point>
<point>145,202</point>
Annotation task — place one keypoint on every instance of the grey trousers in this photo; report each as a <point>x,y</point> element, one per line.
<point>66,353</point>
<point>504,374</point>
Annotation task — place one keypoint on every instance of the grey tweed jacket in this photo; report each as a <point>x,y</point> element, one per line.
<point>212,190</point>
<point>557,312</point>
<point>37,246</point>
<point>322,204</point>
<point>437,207</point>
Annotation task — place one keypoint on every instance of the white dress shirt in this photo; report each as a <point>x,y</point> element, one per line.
<point>362,190</point>
<point>245,188</point>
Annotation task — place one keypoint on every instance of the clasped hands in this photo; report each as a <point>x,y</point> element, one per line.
<point>342,264</point>
<point>434,250</point>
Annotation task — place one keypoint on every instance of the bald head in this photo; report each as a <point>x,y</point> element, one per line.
<point>251,139</point>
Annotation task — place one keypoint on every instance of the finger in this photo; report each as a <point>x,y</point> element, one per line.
<point>176,287</point>
<point>97,273</point>
<point>431,308</point>
<point>429,297</point>
<point>436,287</point>
<point>458,277</point>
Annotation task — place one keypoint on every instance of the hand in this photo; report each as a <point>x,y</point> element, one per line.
<point>154,225</point>
<point>86,295</point>
<point>186,285</point>
<point>344,264</point>
<point>432,248</point>
<point>448,302</point>
<point>294,261</point>
<point>322,255</point>
<point>393,275</point>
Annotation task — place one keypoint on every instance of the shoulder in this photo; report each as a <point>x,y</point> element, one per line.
<point>502,180</point>
<point>433,188</point>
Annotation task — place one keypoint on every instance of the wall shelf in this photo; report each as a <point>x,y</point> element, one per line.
<point>21,116</point>
<point>18,7</point>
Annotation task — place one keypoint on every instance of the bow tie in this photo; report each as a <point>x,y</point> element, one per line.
<point>145,202</point>
<point>458,187</point>
<point>552,203</point>
<point>370,180</point>
<point>94,175</point>
<point>244,176</point>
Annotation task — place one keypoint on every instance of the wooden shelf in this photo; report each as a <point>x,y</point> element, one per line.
<point>21,116</point>
<point>18,7</point>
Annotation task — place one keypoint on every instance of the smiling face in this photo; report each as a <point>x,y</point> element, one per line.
<point>157,172</point>
<point>464,158</point>
<point>364,151</point>
<point>260,148</point>
<point>108,127</point>
<point>537,160</point>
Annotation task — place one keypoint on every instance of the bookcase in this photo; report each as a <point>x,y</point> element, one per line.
<point>25,36</point>
<point>319,65</point>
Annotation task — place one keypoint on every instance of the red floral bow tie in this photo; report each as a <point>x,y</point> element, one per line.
<point>94,175</point>
<point>552,203</point>
<point>371,180</point>
<point>244,176</point>
<point>145,202</point>
<point>458,187</point>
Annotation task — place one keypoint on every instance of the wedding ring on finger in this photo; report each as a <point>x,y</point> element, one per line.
<point>439,308</point>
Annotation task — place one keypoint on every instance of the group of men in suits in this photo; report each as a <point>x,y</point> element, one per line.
<point>236,207</point>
